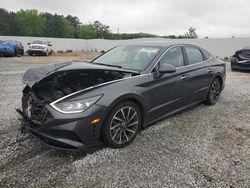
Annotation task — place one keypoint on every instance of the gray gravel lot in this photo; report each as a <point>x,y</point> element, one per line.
<point>208,146</point>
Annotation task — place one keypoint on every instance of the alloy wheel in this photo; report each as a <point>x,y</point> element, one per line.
<point>215,91</point>
<point>124,125</point>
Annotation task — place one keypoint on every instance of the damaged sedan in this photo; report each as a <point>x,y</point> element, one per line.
<point>241,59</point>
<point>81,105</point>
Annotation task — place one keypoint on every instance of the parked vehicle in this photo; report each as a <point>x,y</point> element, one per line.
<point>79,105</point>
<point>39,47</point>
<point>17,45</point>
<point>6,49</point>
<point>241,59</point>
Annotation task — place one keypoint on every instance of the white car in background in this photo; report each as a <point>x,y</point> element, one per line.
<point>39,47</point>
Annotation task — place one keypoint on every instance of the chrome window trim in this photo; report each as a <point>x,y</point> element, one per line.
<point>180,45</point>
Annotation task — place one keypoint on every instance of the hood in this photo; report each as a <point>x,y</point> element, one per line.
<point>243,54</point>
<point>34,75</point>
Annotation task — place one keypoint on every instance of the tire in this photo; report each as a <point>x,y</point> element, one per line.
<point>214,92</point>
<point>233,69</point>
<point>30,53</point>
<point>16,53</point>
<point>122,125</point>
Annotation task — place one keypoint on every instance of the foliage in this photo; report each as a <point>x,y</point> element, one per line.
<point>34,23</point>
<point>87,32</point>
<point>30,23</point>
<point>7,22</point>
<point>191,33</point>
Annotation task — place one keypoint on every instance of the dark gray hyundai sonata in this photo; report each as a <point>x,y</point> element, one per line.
<point>81,105</point>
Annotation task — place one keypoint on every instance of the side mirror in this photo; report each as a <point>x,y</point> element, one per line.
<point>28,43</point>
<point>166,68</point>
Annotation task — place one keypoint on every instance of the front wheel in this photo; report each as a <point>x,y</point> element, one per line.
<point>122,125</point>
<point>214,92</point>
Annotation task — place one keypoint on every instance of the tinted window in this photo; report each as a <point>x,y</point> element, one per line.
<point>174,57</point>
<point>206,54</point>
<point>194,55</point>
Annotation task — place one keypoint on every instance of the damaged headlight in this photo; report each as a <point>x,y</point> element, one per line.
<point>75,106</point>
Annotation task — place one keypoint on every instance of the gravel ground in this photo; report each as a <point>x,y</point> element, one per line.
<point>208,146</point>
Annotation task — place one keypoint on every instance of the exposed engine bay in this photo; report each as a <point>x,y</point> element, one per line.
<point>60,84</point>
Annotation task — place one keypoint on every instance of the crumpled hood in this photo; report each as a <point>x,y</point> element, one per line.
<point>34,75</point>
<point>244,54</point>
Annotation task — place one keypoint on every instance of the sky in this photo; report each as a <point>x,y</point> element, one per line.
<point>211,18</point>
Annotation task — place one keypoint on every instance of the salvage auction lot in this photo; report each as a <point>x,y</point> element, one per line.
<point>206,146</point>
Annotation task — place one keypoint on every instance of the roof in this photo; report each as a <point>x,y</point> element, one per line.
<point>152,43</point>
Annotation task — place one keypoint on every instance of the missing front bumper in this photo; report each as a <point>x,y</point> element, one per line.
<point>51,141</point>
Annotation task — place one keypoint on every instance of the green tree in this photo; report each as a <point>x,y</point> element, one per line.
<point>75,22</point>
<point>7,22</point>
<point>191,33</point>
<point>57,26</point>
<point>30,23</point>
<point>87,32</point>
<point>53,26</point>
<point>102,31</point>
<point>68,29</point>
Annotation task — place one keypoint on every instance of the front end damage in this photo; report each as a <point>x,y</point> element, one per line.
<point>45,85</point>
<point>241,60</point>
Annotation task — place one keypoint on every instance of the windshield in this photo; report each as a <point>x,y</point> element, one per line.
<point>39,42</point>
<point>129,57</point>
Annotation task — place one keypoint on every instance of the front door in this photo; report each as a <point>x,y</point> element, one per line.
<point>168,92</point>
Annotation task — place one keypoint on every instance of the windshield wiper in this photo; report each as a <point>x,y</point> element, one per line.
<point>118,66</point>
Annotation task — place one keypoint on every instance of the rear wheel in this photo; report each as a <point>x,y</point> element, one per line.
<point>233,69</point>
<point>214,92</point>
<point>122,125</point>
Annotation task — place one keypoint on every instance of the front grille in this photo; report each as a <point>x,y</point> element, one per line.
<point>36,110</point>
<point>36,47</point>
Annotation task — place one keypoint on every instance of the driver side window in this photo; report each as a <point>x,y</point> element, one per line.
<point>174,57</point>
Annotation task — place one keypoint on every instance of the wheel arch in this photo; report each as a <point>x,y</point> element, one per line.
<point>137,100</point>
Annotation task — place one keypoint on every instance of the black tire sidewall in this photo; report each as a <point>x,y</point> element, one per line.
<point>105,132</point>
<point>208,100</point>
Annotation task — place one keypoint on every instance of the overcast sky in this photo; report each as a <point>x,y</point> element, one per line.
<point>212,18</point>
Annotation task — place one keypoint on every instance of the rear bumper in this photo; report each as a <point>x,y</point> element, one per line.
<point>67,134</point>
<point>240,65</point>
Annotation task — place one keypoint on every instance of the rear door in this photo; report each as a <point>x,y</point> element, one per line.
<point>168,91</point>
<point>200,72</point>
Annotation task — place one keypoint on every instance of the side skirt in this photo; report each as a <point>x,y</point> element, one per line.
<point>185,108</point>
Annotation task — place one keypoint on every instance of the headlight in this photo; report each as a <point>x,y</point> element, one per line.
<point>75,106</point>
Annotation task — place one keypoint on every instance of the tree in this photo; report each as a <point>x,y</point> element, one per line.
<point>87,32</point>
<point>191,33</point>
<point>30,23</point>
<point>68,29</point>
<point>53,26</point>
<point>102,31</point>
<point>57,26</point>
<point>7,22</point>
<point>76,24</point>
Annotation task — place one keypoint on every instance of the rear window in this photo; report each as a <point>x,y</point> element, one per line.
<point>194,55</point>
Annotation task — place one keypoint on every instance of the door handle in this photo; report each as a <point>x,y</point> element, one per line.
<point>209,70</point>
<point>184,77</point>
